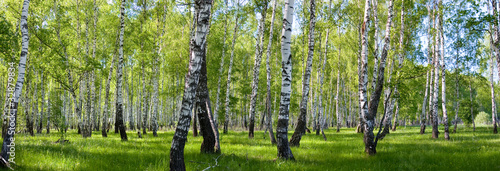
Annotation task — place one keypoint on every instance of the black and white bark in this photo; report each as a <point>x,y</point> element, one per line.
<point>191,85</point>
<point>376,43</point>
<point>119,77</point>
<point>367,119</point>
<point>437,53</point>
<point>301,121</point>
<point>496,40</point>
<point>228,87</point>
<point>370,113</point>
<point>256,69</point>
<point>106,108</point>
<point>221,69</point>
<point>269,118</point>
<point>284,151</point>
<point>443,78</point>
<point>9,137</point>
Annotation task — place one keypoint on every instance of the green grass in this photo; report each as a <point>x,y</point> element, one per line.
<point>404,149</point>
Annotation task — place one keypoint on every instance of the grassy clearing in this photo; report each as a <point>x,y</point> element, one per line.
<point>404,149</point>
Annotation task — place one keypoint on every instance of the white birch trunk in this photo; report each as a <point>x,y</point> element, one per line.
<point>221,69</point>
<point>256,70</point>
<point>119,77</point>
<point>191,85</point>
<point>228,87</point>
<point>301,121</point>
<point>284,151</point>
<point>19,86</point>
<point>268,72</point>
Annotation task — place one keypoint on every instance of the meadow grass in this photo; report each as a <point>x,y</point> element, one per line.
<point>404,149</point>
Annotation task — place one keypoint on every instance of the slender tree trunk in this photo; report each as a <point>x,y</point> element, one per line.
<point>27,103</point>
<point>497,52</point>
<point>321,111</point>
<point>376,43</point>
<point>40,113</point>
<point>369,116</point>
<point>221,69</point>
<point>191,85</point>
<point>443,79</point>
<point>5,154</point>
<point>400,63</point>
<point>471,106</point>
<point>423,116</point>
<point>434,114</point>
<point>367,119</point>
<point>106,108</point>
<point>93,101</point>
<point>284,151</point>
<point>228,87</point>
<point>269,119</point>
<point>430,61</point>
<point>301,122</point>
<point>119,79</point>
<point>256,70</point>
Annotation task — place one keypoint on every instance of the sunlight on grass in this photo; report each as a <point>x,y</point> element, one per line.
<point>404,149</point>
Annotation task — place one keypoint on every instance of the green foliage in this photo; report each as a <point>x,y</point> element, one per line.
<point>465,110</point>
<point>483,118</point>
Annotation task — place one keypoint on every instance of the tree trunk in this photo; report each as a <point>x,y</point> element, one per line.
<point>471,106</point>
<point>369,116</point>
<point>434,114</point>
<point>8,140</point>
<point>321,111</point>
<point>106,108</point>
<point>93,109</point>
<point>400,63</point>
<point>268,72</point>
<point>368,120</point>
<point>221,69</point>
<point>443,79</point>
<point>27,104</point>
<point>376,44</point>
<point>301,122</point>
<point>119,79</point>
<point>497,52</point>
<point>228,87</point>
<point>284,151</point>
<point>202,109</point>
<point>191,85</point>
<point>256,70</point>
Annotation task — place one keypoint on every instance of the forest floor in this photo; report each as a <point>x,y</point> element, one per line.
<point>404,149</point>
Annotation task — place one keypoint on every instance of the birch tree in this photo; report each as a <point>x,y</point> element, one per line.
<point>119,77</point>
<point>443,77</point>
<point>284,151</point>
<point>221,69</point>
<point>268,72</point>
<point>256,70</point>
<point>9,137</point>
<point>496,40</point>
<point>301,122</point>
<point>191,85</point>
<point>228,87</point>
